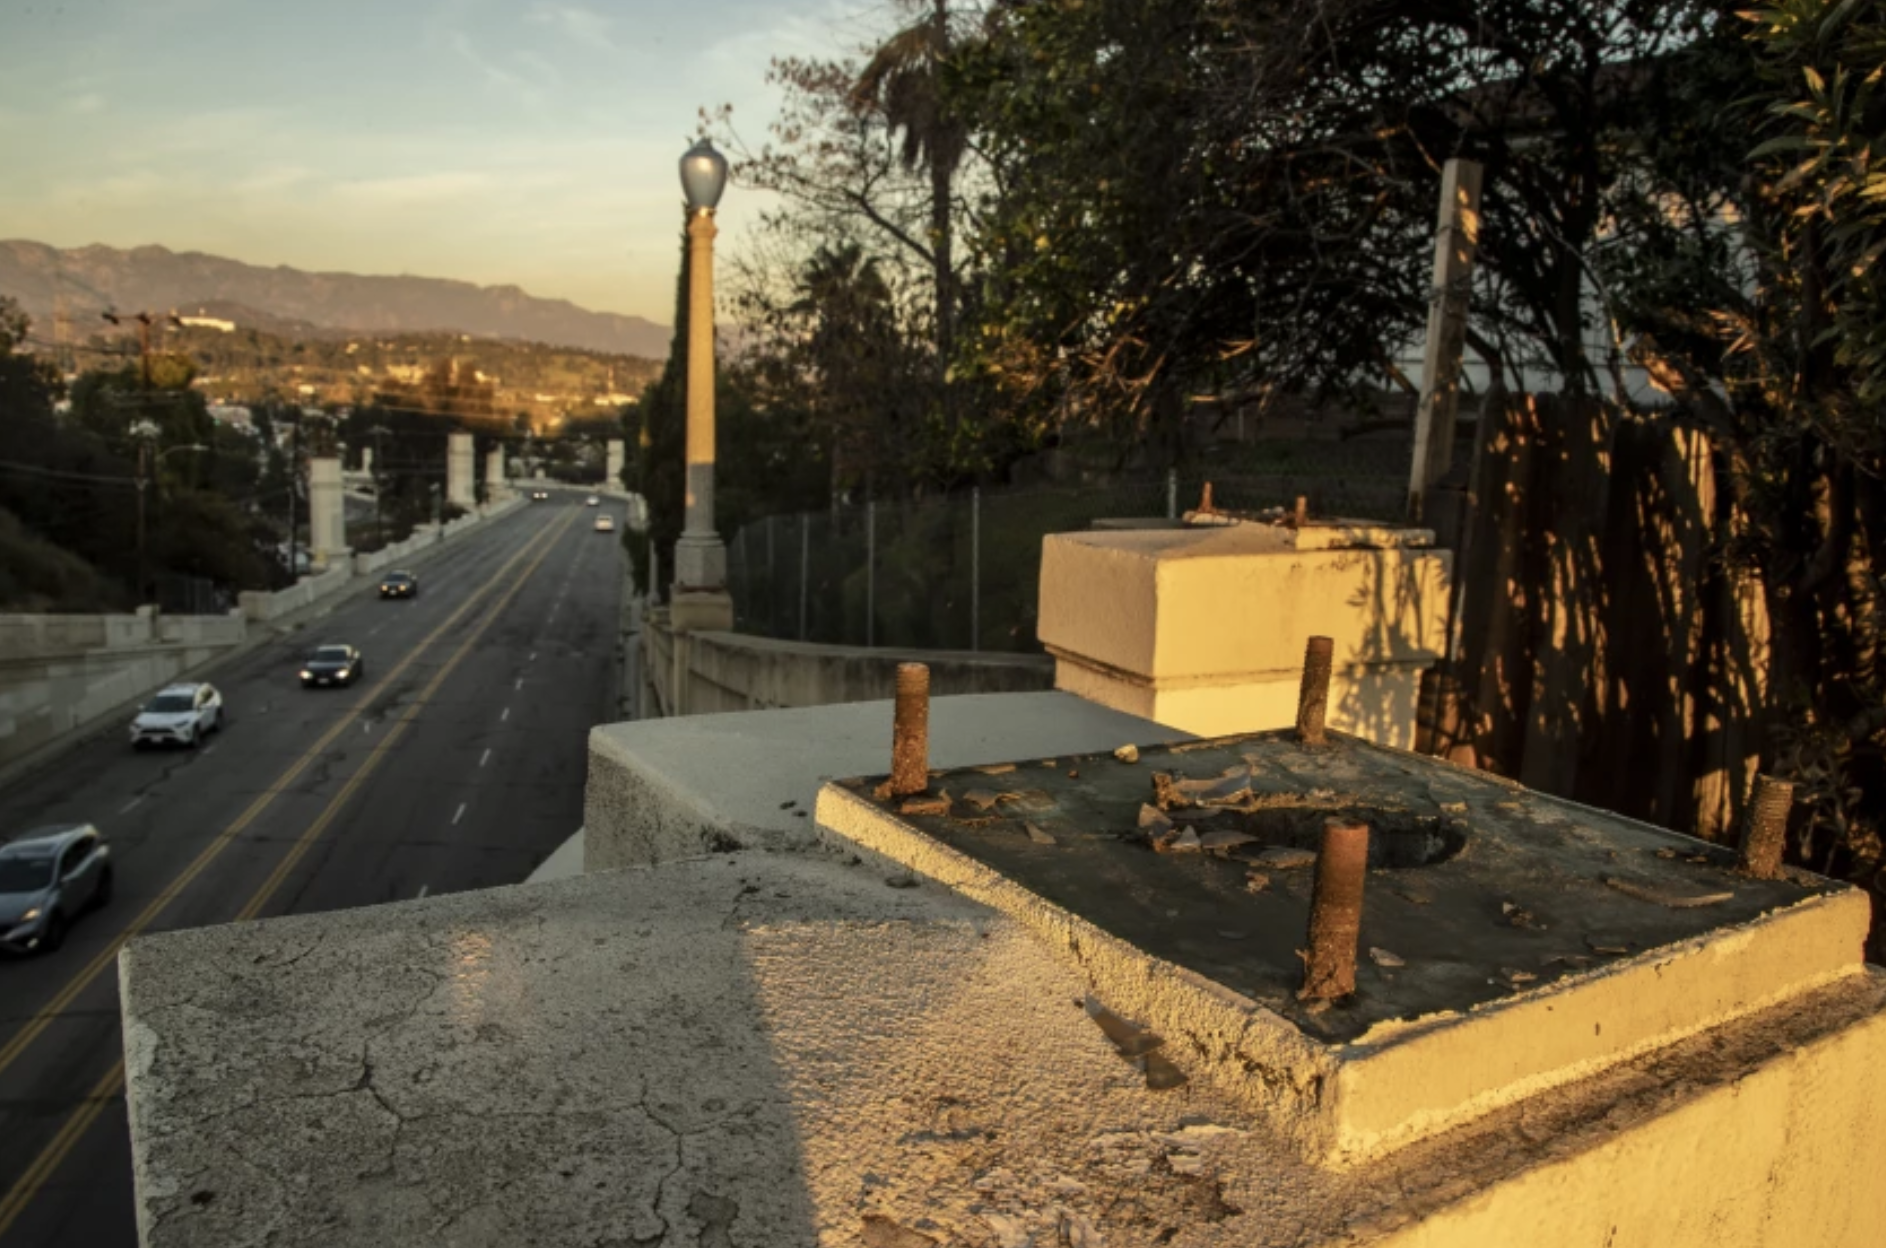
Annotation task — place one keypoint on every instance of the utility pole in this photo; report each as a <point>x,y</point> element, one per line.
<point>294,482</point>
<point>1456,241</point>
<point>143,483</point>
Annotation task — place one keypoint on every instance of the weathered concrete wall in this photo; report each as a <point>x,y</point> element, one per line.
<point>737,672</point>
<point>60,672</point>
<point>1138,620</point>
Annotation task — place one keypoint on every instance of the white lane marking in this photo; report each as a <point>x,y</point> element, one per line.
<point>366,727</point>
<point>375,629</point>
<point>459,815</point>
<point>126,808</point>
<point>485,757</point>
<point>423,888</point>
<point>209,749</point>
<point>519,684</point>
<point>533,657</point>
<point>505,716</point>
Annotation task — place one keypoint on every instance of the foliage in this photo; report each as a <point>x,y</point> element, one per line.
<point>72,482</point>
<point>1754,297</point>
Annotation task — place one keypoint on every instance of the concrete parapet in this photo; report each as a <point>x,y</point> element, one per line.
<point>737,672</point>
<point>1203,627</point>
<point>657,790</point>
<point>797,1048</point>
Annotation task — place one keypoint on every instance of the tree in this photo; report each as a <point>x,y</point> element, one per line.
<point>1750,289</point>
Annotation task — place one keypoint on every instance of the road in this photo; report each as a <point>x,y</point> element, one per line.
<point>457,762</point>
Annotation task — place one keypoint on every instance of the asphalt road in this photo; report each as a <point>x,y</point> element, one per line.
<point>457,762</point>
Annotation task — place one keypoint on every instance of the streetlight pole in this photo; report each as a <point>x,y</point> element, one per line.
<point>700,600</point>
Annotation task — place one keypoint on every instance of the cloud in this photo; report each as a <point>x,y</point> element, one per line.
<point>411,191</point>
<point>90,102</point>
<point>586,26</point>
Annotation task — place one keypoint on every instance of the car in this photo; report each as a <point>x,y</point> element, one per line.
<point>605,523</point>
<point>178,715</point>
<point>48,878</point>
<point>399,585</point>
<point>539,496</point>
<point>332,665</point>
<point>593,501</point>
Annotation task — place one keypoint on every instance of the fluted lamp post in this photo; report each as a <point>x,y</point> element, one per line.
<point>700,601</point>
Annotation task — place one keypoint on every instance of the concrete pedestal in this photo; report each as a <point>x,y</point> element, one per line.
<point>327,517</point>
<point>495,486</point>
<point>613,468</point>
<point>459,468</point>
<point>701,561</point>
<point>1204,628</point>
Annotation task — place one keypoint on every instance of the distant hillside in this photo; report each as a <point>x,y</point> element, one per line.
<point>77,284</point>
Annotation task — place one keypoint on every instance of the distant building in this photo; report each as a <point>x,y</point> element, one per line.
<point>209,322</point>
<point>233,416</point>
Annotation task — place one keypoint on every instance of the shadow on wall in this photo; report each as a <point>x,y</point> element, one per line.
<point>1397,636</point>
<point>1607,655</point>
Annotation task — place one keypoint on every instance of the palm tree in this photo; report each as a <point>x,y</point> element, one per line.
<point>905,80</point>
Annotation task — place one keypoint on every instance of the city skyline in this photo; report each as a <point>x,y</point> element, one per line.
<point>529,144</point>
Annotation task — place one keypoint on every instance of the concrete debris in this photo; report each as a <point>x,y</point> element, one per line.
<point>982,799</point>
<point>1611,950</point>
<point>1037,835</point>
<point>1285,858</point>
<point>1382,957</point>
<point>1184,841</point>
<point>1664,896</point>
<point>997,769</point>
<point>1225,840</point>
<point>1514,975</point>
<point>1256,882</point>
<point>1009,1232</point>
<point>1076,1231</point>
<point>1127,753</point>
<point>1152,819</point>
<point>1517,915</point>
<point>939,804</point>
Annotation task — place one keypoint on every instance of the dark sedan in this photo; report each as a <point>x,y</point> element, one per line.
<point>332,665</point>
<point>48,878</point>
<point>399,585</point>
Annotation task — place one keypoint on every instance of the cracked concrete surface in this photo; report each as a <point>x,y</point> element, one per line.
<point>777,1049</point>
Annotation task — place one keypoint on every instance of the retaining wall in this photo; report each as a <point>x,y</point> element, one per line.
<point>737,672</point>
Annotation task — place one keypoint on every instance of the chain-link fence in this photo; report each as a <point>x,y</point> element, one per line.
<point>963,572</point>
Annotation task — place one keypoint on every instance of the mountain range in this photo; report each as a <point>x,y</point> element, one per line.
<point>65,290</point>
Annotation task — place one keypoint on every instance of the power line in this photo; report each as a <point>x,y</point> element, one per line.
<point>60,474</point>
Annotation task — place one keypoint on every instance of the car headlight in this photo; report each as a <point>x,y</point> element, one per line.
<point>30,915</point>
<point>306,674</point>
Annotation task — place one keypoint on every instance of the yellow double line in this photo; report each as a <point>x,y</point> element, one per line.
<point>108,1087</point>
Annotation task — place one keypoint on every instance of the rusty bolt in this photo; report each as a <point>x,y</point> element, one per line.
<point>1303,511</point>
<point>910,731</point>
<point>1204,502</point>
<point>1765,830</point>
<point>1313,697</point>
<point>1329,970</point>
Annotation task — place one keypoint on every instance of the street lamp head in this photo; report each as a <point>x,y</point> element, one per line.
<point>703,176</point>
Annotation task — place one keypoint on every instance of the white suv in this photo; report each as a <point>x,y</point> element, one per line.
<point>178,715</point>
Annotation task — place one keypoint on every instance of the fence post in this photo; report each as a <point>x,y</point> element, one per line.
<point>1172,493</point>
<point>975,568</point>
<point>870,571</point>
<point>805,568</point>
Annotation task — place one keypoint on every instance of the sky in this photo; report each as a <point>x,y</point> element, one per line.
<point>531,142</point>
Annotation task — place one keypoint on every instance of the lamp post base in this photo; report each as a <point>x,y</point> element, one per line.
<point>700,610</point>
<point>700,561</point>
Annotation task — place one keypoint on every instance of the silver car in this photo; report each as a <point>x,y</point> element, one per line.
<point>48,878</point>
